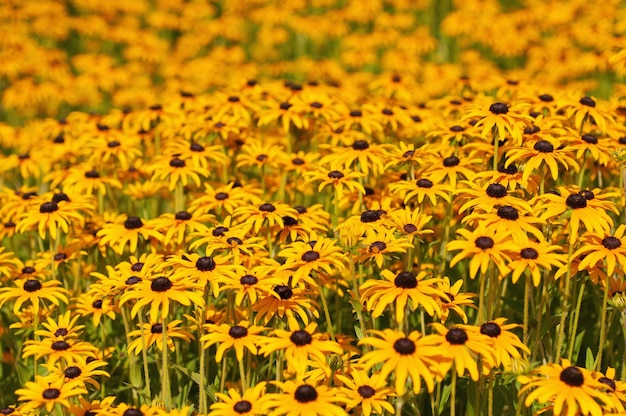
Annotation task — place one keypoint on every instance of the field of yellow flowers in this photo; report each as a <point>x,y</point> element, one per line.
<point>312,207</point>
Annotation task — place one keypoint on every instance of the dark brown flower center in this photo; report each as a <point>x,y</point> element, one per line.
<point>405,280</point>
<point>132,223</point>
<point>28,270</point>
<point>51,394</point>
<point>457,129</point>
<point>305,393</point>
<point>285,106</point>
<point>136,267</point>
<point>335,174</point>
<point>356,113</point>
<point>544,146</point>
<point>60,346</point>
<point>611,242</point>
<point>377,246</point>
<point>48,207</point>
<point>404,346</point>
<point>310,256</point>
<point>283,291</point>
<point>161,284</point>
<point>262,158</point>
<point>484,243</point>
<point>508,213</point>
<point>360,145</point>
<point>588,101</point>
<point>177,163</point>
<point>589,195</point>
<point>60,256</point>
<point>182,216</point>
<point>205,264</point>
<point>156,328</point>
<point>496,190</point>
<point>499,108</point>
<point>316,105</point>
<point>572,376</point>
<point>409,228</point>
<point>32,285</point>
<point>301,338</point>
<point>297,161</point>
<point>491,329</point>
<point>113,144</point>
<point>219,231</point>
<point>267,207</point>
<point>133,280</point>
<point>370,216</point>
<point>238,331</point>
<point>196,147</point>
<point>424,183</point>
<point>92,174</point>
<point>589,138</point>
<point>249,280</point>
<point>366,391</point>
<point>132,412</point>
<point>457,336</point>
<point>6,411</point>
<point>97,304</point>
<point>242,406</point>
<point>546,98</point>
<point>220,196</point>
<point>608,382</point>
<point>529,253</point>
<point>72,372</point>
<point>576,201</point>
<point>289,221</point>
<point>451,161</point>
<point>233,99</point>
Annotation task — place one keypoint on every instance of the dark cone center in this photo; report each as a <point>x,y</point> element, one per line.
<point>51,394</point>
<point>196,147</point>
<point>182,216</point>
<point>457,129</point>
<point>161,284</point>
<point>576,201</point>
<point>60,346</point>
<point>499,108</point>
<point>356,113</point>
<point>132,223</point>
<point>451,161</point>
<point>360,145</point>
<point>48,207</point>
<point>156,329</point>
<point>301,337</point>
<point>529,253</point>
<point>289,221</point>
<point>457,336</point>
<point>409,228</point>
<point>611,243</point>
<point>220,196</point>
<point>377,246</point>
<point>572,376</point>
<point>335,174</point>
<point>370,216</point>
<point>404,346</point>
<point>248,280</point>
<point>310,256</point>
<point>136,267</point>
<point>366,391</point>
<point>424,183</point>
<point>589,138</point>
<point>219,231</point>
<point>305,393</point>
<point>177,163</point>
<point>205,264</point>
<point>405,280</point>
<point>133,280</point>
<point>283,291</point>
<point>546,98</point>
<point>234,241</point>
<point>495,190</point>
<point>97,304</point>
<point>608,382</point>
<point>491,329</point>
<point>242,406</point>
<point>132,412</point>
<point>32,285</point>
<point>484,243</point>
<point>544,146</point>
<point>238,331</point>
<point>588,101</point>
<point>297,161</point>
<point>92,174</point>
<point>508,213</point>
<point>589,195</point>
<point>72,372</point>
<point>267,207</point>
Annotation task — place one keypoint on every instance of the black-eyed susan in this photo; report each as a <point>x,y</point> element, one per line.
<point>360,156</point>
<point>586,109</point>
<point>95,305</point>
<point>50,218</point>
<point>452,167</point>
<point>175,228</point>
<point>48,392</point>
<point>203,270</point>
<point>591,146</point>
<point>546,152</point>
<point>483,246</point>
<point>81,371</point>
<point>221,199</point>
<point>337,177</point>
<point>534,257</point>
<point>160,291</point>
<point>266,214</point>
<point>259,154</point>
<point>320,255</point>
<point>383,244</point>
<point>236,245</point>
<point>454,299</point>
<point>305,399</point>
<point>462,347</point>
<point>616,388</point>
<point>398,289</point>
<point>176,171</point>
<point>152,334</point>
<point>487,197</point>
<point>403,355</point>
<point>410,222</point>
<point>68,351</point>
<point>501,118</point>
<point>64,327</point>
<point>124,409</point>
<point>33,291</point>
<point>507,345</point>
<point>301,346</point>
<point>251,282</point>
<point>290,302</point>
<point>84,180</point>
<point>579,210</point>
<point>250,403</point>
<point>610,248</point>
<point>125,231</point>
<point>570,389</point>
<point>238,337</point>
<point>508,220</point>
<point>421,189</point>
<point>83,407</point>
<point>368,395</point>
<point>197,153</point>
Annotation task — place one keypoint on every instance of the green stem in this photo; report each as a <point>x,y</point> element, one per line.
<point>166,391</point>
<point>453,392</point>
<point>443,252</point>
<point>565,303</point>
<point>481,299</point>
<point>605,300</point>
<point>329,322</point>
<point>132,358</point>
<point>527,295</point>
<point>179,197</point>
<point>144,356</point>
<point>574,323</point>
<point>242,373</point>
<point>203,399</point>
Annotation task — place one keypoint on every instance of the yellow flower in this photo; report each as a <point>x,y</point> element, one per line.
<point>47,392</point>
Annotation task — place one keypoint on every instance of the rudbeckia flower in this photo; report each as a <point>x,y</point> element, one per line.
<point>305,399</point>
<point>507,345</point>
<point>339,179</point>
<point>250,403</point>
<point>543,152</point>
<point>570,389</point>
<point>177,171</point>
<point>600,246</point>
<point>366,394</point>
<point>534,256</point>
<point>51,218</point>
<point>377,245</point>
<point>453,299</point>
<point>238,337</point>
<point>504,119</point>
<point>421,189</point>
<point>285,301</point>
<point>152,334</point>
<point>68,351</point>
<point>320,255</point>
<point>82,372</point>
<point>254,218</point>
<point>486,198</point>
<point>125,231</point>
<point>47,392</point>
<point>33,291</point>
<point>403,355</point>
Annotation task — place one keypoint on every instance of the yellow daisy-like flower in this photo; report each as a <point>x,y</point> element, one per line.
<point>571,390</point>
<point>339,178</point>
<point>33,291</point>
<point>50,218</point>
<point>399,288</point>
<point>250,403</point>
<point>499,116</point>
<point>379,244</point>
<point>176,171</point>
<point>240,337</point>
<point>125,231</point>
<point>462,347</point>
<point>68,350</point>
<point>47,392</point>
<point>543,152</point>
<point>454,299</point>
<point>486,198</point>
<point>153,335</point>
<point>602,247</point>
<point>533,256</point>
<point>177,227</point>
<point>405,355</point>
<point>421,188</point>
<point>301,346</point>
<point>320,255</point>
<point>270,214</point>
<point>159,292</point>
<point>304,399</point>
<point>81,371</point>
<point>367,394</point>
<point>507,345</point>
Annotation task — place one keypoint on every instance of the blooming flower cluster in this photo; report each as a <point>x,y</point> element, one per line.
<point>240,208</point>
